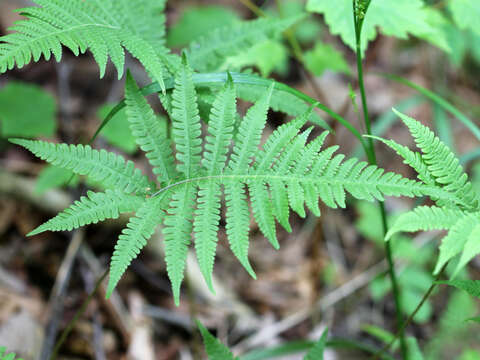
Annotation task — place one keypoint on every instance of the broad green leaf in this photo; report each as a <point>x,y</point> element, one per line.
<point>466,14</point>
<point>397,18</point>
<point>268,56</point>
<point>26,110</point>
<point>117,131</point>
<point>325,57</point>
<point>198,21</point>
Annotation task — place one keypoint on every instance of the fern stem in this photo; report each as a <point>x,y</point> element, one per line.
<point>77,316</point>
<point>358,22</point>
<point>407,322</point>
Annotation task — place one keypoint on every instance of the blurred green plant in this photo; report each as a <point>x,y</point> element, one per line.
<point>32,118</point>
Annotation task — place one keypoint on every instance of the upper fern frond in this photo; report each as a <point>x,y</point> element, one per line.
<point>288,172</point>
<point>461,217</point>
<point>103,27</point>
<point>209,52</point>
<point>441,163</point>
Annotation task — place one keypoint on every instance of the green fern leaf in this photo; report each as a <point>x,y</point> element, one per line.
<point>220,129</point>
<point>91,209</point>
<point>238,222</point>
<point>209,52</point>
<point>426,218</point>
<point>249,134</point>
<point>148,133</point>
<point>317,350</point>
<point>286,172</point>
<point>214,348</point>
<point>108,169</point>
<point>441,162</point>
<point>217,143</point>
<point>134,237</point>
<point>186,123</point>
<point>92,24</point>
<point>177,231</point>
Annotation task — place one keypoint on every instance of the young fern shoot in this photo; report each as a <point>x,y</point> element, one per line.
<point>287,172</point>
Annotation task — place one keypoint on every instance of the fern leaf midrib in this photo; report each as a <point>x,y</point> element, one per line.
<point>223,178</point>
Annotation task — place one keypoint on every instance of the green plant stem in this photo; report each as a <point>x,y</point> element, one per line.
<point>474,129</point>
<point>410,318</point>
<point>77,316</point>
<point>372,159</point>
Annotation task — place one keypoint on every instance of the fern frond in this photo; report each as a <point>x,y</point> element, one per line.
<point>454,243</point>
<point>441,162</point>
<point>107,168</point>
<point>186,122</point>
<point>177,231</point>
<point>80,25</point>
<point>134,237</point>
<point>425,218</point>
<point>148,133</point>
<point>91,209</point>
<point>209,52</point>
<point>472,246</point>
<point>287,172</point>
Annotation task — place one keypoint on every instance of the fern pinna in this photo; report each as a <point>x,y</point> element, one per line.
<point>436,165</point>
<point>288,171</point>
<point>105,27</point>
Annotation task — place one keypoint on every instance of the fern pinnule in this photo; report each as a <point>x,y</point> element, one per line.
<point>148,133</point>
<point>91,209</point>
<point>134,237</point>
<point>109,169</point>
